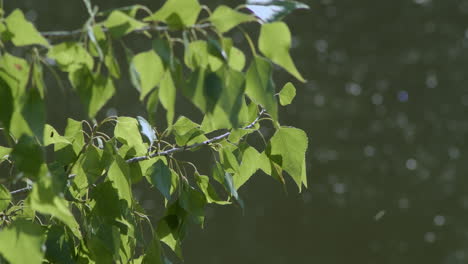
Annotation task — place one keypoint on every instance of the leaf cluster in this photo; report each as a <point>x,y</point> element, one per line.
<point>79,204</point>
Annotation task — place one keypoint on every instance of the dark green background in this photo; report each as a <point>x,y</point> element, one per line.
<point>385,109</point>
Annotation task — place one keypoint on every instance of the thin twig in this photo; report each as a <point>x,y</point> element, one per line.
<point>196,145</point>
<point>77,32</point>
<point>25,189</point>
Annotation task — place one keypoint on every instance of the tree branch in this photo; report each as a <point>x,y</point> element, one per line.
<point>77,32</point>
<point>25,189</point>
<point>196,145</point>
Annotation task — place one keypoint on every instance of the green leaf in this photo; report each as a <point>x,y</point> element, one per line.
<point>187,132</point>
<point>177,13</point>
<point>127,132</point>
<point>6,107</point>
<point>287,94</point>
<point>46,200</point>
<point>287,148</point>
<point>193,202</point>
<point>51,136</point>
<point>154,252</point>
<point>59,246</point>
<point>4,153</point>
<point>167,95</point>
<point>94,89</point>
<point>34,113</point>
<point>251,162</point>
<point>168,229</point>
<point>22,242</point>
<point>273,10</point>
<point>71,56</point>
<point>152,103</point>
<point>108,206</point>
<point>111,61</point>
<point>236,59</point>
<point>120,24</point>
<point>119,175</point>
<point>211,196</point>
<point>93,163</point>
<point>225,178</point>
<point>228,159</point>
<point>38,79</point>
<point>27,155</point>
<point>163,48</point>
<point>260,86</point>
<point>201,54</point>
<point>128,10</point>
<point>15,72</point>
<point>5,197</point>
<point>149,71</point>
<point>278,33</point>
<point>160,177</point>
<point>146,129</point>
<point>104,243</point>
<point>225,18</point>
<point>65,152</point>
<point>24,33</point>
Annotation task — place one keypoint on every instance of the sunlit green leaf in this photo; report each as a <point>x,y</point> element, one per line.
<point>5,197</point>
<point>149,69</point>
<point>4,153</point>
<point>38,79</point>
<point>65,152</point>
<point>287,148</point>
<point>177,13</point>
<point>287,94</point>
<point>211,196</point>
<point>278,33</point>
<point>273,10</point>
<point>260,87</point>
<point>15,72</point>
<point>128,10</point>
<point>224,18</point>
<point>236,59</point>
<point>71,56</point>
<point>119,175</point>
<point>127,132</point>
<point>187,132</point>
<point>22,242</point>
<point>167,95</point>
<point>120,24</point>
<point>251,162</point>
<point>24,33</point>
<point>160,177</point>
<point>51,136</point>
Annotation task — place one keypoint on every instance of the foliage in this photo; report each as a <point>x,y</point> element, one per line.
<point>78,205</point>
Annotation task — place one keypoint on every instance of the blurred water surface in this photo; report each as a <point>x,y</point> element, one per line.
<point>385,108</point>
